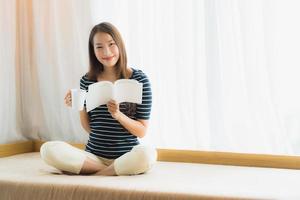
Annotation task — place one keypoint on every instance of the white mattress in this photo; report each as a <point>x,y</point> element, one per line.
<point>26,176</point>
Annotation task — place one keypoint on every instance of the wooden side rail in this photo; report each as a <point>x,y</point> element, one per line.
<point>16,148</point>
<point>188,156</point>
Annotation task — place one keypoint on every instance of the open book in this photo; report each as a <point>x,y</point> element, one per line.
<point>123,90</point>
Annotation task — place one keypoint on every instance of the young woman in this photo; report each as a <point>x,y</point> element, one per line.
<point>113,147</point>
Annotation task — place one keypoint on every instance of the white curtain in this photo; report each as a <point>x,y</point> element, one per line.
<point>242,108</point>
<point>10,129</point>
<point>61,31</point>
<point>43,54</point>
<point>220,70</point>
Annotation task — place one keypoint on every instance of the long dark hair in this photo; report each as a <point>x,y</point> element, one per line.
<point>96,67</point>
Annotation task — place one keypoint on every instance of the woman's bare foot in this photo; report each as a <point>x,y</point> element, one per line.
<point>91,166</point>
<point>108,171</point>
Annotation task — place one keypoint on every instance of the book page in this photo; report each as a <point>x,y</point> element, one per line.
<point>99,93</point>
<point>128,90</point>
<point>78,96</point>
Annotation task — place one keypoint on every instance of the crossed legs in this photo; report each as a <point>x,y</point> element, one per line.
<point>69,159</point>
<point>90,166</point>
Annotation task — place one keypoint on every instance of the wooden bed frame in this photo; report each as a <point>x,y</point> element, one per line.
<point>172,155</point>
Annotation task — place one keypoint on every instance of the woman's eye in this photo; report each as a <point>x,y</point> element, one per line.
<point>111,44</point>
<point>98,47</point>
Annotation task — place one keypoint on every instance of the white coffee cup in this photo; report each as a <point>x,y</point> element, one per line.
<point>78,98</point>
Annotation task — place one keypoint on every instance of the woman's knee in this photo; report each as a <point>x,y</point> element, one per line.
<point>48,149</point>
<point>146,155</point>
<point>63,156</point>
<point>139,160</point>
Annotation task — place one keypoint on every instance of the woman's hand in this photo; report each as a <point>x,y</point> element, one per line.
<point>113,109</point>
<point>68,99</point>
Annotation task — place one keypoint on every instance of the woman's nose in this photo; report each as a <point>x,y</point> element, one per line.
<point>106,51</point>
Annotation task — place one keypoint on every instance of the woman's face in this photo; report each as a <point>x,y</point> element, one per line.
<point>106,50</point>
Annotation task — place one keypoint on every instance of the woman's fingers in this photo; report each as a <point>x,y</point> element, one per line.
<point>112,106</point>
<point>68,94</point>
<point>68,98</point>
<point>113,109</point>
<point>68,102</point>
<point>112,102</point>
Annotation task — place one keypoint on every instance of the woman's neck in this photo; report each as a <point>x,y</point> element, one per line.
<point>108,74</point>
<point>109,70</point>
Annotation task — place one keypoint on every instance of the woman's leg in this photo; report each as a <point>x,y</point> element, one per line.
<point>92,164</point>
<point>108,171</point>
<point>139,160</point>
<point>67,158</point>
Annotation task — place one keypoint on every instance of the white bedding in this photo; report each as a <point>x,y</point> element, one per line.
<point>26,176</point>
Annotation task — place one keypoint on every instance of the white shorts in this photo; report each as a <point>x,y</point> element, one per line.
<point>65,157</point>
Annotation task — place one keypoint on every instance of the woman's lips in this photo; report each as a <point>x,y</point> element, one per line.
<point>108,58</point>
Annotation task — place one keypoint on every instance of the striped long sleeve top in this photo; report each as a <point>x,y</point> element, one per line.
<point>108,138</point>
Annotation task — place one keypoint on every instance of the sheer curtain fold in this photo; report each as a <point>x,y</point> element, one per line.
<point>9,111</point>
<point>27,85</point>
<point>61,56</point>
<point>43,53</point>
<point>246,111</point>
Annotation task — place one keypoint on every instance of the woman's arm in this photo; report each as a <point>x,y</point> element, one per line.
<point>85,120</point>
<point>135,127</point>
<point>84,117</point>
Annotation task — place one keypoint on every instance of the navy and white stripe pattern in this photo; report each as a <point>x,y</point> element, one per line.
<point>108,138</point>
